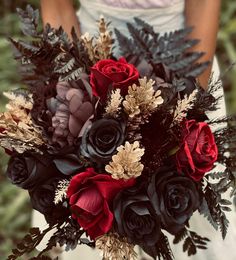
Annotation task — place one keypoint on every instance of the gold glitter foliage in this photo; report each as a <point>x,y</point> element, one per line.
<point>114,247</point>
<point>99,47</point>
<point>17,131</point>
<point>114,105</point>
<point>143,99</point>
<point>61,191</point>
<point>126,163</point>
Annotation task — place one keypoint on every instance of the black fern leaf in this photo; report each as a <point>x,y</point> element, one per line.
<point>181,65</point>
<point>196,69</point>
<point>170,49</point>
<point>65,67</point>
<point>68,235</point>
<point>180,236</point>
<point>24,48</point>
<point>193,242</point>
<point>146,27</point>
<point>29,21</point>
<point>204,210</point>
<point>164,250</point>
<point>224,224</point>
<point>125,44</point>
<point>29,242</point>
<point>72,60</point>
<point>217,207</point>
<point>160,250</point>
<point>73,75</point>
<point>45,57</point>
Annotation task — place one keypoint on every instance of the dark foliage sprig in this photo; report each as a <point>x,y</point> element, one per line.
<point>48,55</point>
<point>29,19</point>
<point>72,60</point>
<point>29,242</point>
<point>192,241</point>
<point>161,250</point>
<point>170,49</point>
<point>216,207</point>
<point>69,235</point>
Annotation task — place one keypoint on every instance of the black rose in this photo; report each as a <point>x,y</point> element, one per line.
<point>174,198</point>
<point>100,141</point>
<point>27,170</point>
<point>42,200</point>
<point>135,218</point>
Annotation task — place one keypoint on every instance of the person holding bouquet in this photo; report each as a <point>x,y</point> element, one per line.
<point>164,16</point>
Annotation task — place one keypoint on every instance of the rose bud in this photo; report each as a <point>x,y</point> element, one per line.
<point>198,151</point>
<point>117,74</point>
<point>174,198</point>
<point>90,197</point>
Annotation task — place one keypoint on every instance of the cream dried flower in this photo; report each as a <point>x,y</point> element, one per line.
<point>100,46</point>
<point>115,248</point>
<point>88,43</point>
<point>18,132</point>
<point>61,191</point>
<point>114,105</point>
<point>183,106</point>
<point>126,163</point>
<point>143,99</point>
<point>104,41</point>
<point>18,100</point>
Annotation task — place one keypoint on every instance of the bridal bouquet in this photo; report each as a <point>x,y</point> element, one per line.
<point>114,151</point>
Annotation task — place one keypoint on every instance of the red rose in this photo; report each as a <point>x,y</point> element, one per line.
<point>90,195</point>
<point>198,151</point>
<point>118,74</point>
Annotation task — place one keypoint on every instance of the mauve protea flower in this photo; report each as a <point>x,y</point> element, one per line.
<point>71,109</point>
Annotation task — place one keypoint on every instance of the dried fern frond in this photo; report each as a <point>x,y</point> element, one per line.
<point>126,163</point>
<point>18,101</point>
<point>103,45</point>
<point>99,47</point>
<point>183,106</point>
<point>18,132</point>
<point>114,105</point>
<point>115,248</point>
<point>61,191</point>
<point>143,99</point>
<point>18,135</point>
<point>88,43</point>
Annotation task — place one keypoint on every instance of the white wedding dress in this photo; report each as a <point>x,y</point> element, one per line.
<point>164,15</point>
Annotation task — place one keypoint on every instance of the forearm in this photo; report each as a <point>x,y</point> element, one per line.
<point>203,15</point>
<point>60,13</point>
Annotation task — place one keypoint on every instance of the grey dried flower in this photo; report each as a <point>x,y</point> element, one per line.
<point>71,109</point>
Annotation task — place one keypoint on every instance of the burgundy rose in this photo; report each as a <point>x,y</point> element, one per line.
<point>90,197</point>
<point>198,152</point>
<point>118,74</point>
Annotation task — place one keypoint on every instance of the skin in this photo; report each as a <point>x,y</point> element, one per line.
<point>203,15</point>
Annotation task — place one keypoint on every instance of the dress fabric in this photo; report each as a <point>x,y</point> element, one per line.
<point>164,16</point>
